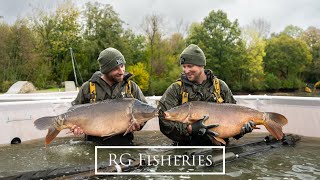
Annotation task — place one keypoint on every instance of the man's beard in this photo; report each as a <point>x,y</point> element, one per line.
<point>194,77</point>
<point>116,78</point>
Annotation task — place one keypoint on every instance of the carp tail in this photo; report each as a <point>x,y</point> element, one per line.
<point>47,123</point>
<point>52,133</point>
<point>273,123</point>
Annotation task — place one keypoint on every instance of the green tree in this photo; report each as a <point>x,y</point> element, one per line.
<point>152,25</point>
<point>272,82</point>
<point>170,50</point>
<point>57,32</point>
<point>225,51</point>
<point>5,36</point>
<point>134,48</point>
<point>286,58</point>
<point>103,26</point>
<point>102,29</point>
<point>293,31</point>
<point>19,58</point>
<point>255,46</point>
<point>312,37</point>
<point>141,75</point>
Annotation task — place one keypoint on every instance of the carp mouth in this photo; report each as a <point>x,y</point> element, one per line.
<point>166,115</point>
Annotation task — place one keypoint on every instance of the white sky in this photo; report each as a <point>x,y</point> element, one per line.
<point>279,13</point>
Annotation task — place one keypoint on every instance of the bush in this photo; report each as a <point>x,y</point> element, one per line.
<point>272,82</point>
<point>160,85</point>
<point>292,83</point>
<point>253,85</point>
<point>237,86</point>
<point>5,86</point>
<point>141,75</point>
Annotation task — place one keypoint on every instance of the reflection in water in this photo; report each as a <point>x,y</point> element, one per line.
<point>285,162</point>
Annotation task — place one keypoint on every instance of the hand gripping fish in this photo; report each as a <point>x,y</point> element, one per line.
<point>229,117</point>
<point>104,118</point>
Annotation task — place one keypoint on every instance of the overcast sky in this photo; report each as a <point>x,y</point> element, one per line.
<point>279,13</point>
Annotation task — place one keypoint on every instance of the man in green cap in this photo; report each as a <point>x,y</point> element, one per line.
<point>196,84</point>
<point>110,82</point>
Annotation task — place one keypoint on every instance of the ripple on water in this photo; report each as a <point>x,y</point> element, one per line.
<point>235,173</point>
<point>304,168</point>
<point>300,175</point>
<point>184,177</point>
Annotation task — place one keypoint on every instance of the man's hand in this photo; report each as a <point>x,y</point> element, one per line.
<point>247,128</point>
<point>198,128</point>
<point>76,130</point>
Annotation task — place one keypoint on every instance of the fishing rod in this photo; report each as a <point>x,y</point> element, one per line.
<point>74,69</point>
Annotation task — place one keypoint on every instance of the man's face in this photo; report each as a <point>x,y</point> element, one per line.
<point>116,75</point>
<point>192,71</point>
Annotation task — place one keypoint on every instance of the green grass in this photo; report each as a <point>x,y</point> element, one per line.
<point>50,90</point>
<point>298,94</point>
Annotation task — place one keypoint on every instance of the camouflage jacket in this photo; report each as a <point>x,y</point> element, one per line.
<point>173,97</point>
<point>103,92</point>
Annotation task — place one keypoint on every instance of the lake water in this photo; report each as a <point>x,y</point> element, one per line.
<point>301,161</point>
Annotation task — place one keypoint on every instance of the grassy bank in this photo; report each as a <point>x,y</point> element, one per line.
<point>50,90</point>
<point>279,93</point>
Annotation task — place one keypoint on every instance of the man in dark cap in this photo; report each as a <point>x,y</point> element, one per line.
<point>196,84</point>
<point>110,82</point>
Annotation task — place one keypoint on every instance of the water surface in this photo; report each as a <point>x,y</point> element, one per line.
<point>301,161</point>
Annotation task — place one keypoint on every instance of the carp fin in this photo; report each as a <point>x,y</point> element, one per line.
<point>44,122</point>
<point>52,133</point>
<point>75,107</point>
<point>187,119</point>
<point>127,131</point>
<point>217,141</point>
<point>278,118</point>
<point>220,140</point>
<point>133,121</point>
<point>274,123</point>
<point>105,137</point>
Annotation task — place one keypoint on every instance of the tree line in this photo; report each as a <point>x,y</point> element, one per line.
<point>248,58</point>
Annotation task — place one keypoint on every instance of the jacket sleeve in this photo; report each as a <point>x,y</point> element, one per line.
<point>82,95</point>
<point>176,131</point>
<point>137,93</point>
<point>226,93</point>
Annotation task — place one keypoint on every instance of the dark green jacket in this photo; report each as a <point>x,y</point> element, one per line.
<point>173,97</point>
<point>103,92</point>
